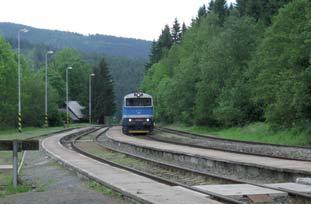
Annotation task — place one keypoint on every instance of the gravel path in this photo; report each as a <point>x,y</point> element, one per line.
<point>55,185</point>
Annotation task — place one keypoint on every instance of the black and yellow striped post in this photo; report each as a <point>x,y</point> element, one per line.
<point>46,121</point>
<point>19,122</point>
<point>67,120</point>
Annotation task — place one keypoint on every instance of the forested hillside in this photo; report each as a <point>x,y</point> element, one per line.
<point>126,68</point>
<point>103,44</point>
<point>235,65</point>
<point>126,73</point>
<point>33,90</point>
<point>117,75</point>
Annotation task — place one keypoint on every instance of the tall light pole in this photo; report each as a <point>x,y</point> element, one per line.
<point>46,87</point>
<point>67,116</point>
<point>24,30</point>
<point>90,97</point>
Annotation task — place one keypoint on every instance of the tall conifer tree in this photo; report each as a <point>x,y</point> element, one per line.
<point>220,8</point>
<point>259,9</point>
<point>154,56</point>
<point>103,94</point>
<point>165,39</point>
<point>176,32</point>
<point>183,29</point>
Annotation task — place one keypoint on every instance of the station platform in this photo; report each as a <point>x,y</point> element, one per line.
<point>129,184</point>
<point>243,191</point>
<point>282,165</point>
<point>256,193</point>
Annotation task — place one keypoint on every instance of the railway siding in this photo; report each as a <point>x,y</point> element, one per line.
<point>256,148</point>
<point>233,165</point>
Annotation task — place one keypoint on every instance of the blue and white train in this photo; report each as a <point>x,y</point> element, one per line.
<point>137,113</point>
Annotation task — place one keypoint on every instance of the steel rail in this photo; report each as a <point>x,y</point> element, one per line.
<point>290,192</point>
<point>188,134</point>
<point>162,180</point>
<point>76,136</point>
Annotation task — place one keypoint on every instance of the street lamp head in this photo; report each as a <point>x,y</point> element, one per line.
<point>50,52</point>
<point>69,67</point>
<point>92,74</point>
<point>23,30</point>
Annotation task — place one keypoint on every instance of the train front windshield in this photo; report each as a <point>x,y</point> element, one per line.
<point>138,102</point>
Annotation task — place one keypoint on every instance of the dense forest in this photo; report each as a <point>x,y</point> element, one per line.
<point>32,87</point>
<point>120,67</point>
<point>235,65</point>
<point>103,44</point>
<point>115,76</point>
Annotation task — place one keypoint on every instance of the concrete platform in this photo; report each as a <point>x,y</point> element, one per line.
<point>282,165</point>
<point>306,181</point>
<point>129,184</point>
<point>292,186</point>
<point>241,191</point>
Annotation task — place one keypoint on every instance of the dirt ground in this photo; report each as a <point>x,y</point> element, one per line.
<point>54,184</point>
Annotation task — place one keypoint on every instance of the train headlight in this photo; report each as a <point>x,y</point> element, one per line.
<point>147,119</point>
<point>130,119</point>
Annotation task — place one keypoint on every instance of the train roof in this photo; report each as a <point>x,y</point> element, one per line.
<point>134,95</point>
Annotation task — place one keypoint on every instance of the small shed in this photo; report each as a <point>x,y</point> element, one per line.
<point>75,110</point>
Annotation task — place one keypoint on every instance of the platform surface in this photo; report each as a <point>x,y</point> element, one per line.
<point>306,181</point>
<point>139,186</point>
<point>295,166</point>
<point>303,188</point>
<point>240,190</point>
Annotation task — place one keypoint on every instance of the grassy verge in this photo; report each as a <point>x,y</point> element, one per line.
<point>10,134</point>
<point>259,132</point>
<point>7,186</point>
<point>32,131</point>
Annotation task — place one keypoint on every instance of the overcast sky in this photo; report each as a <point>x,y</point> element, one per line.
<point>143,19</point>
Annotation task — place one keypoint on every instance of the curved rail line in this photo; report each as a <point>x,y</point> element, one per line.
<point>162,180</point>
<point>294,194</point>
<point>230,145</point>
<point>290,192</point>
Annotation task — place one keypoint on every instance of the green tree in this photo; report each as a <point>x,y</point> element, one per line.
<point>33,100</point>
<point>103,94</point>
<point>262,10</point>
<point>176,32</point>
<point>165,40</point>
<point>8,85</point>
<point>183,29</point>
<point>154,56</point>
<point>282,66</point>
<point>160,48</point>
<point>231,69</point>
<point>201,13</point>
<point>78,76</point>
<point>32,92</point>
<point>220,8</point>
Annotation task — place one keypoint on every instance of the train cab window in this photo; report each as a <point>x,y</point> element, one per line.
<point>138,102</point>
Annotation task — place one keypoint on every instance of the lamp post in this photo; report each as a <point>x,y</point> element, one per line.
<point>24,30</point>
<point>67,116</point>
<point>90,97</point>
<point>46,87</point>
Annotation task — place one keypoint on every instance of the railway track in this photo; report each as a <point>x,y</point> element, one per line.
<point>159,172</point>
<point>229,145</point>
<point>169,174</point>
